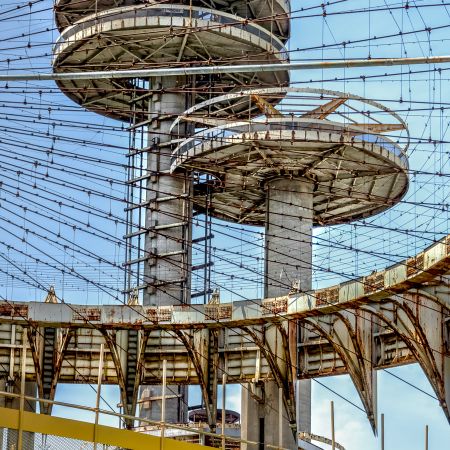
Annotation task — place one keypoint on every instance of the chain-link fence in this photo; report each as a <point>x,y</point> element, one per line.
<point>38,441</point>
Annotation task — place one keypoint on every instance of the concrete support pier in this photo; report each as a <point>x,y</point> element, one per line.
<point>168,225</point>
<point>288,266</point>
<point>168,215</point>
<point>289,223</point>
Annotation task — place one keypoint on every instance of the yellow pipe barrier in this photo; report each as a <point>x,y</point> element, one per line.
<point>84,431</point>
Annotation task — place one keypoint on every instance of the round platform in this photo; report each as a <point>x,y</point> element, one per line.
<point>273,15</point>
<point>356,172</point>
<point>152,36</point>
<point>246,103</point>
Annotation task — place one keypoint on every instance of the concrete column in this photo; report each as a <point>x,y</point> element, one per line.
<point>289,256</point>
<point>288,236</point>
<point>168,217</point>
<point>168,221</point>
<point>288,264</point>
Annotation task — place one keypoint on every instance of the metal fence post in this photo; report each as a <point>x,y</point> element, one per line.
<point>333,437</point>
<point>99,387</point>
<point>22,390</point>
<point>224,383</point>
<point>280,417</point>
<point>163,402</point>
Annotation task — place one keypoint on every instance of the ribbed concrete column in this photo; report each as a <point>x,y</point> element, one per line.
<point>288,264</point>
<point>168,216</point>
<point>168,221</point>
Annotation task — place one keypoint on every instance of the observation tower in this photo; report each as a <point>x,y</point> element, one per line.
<point>319,159</point>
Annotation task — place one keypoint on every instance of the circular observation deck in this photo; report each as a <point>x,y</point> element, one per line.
<point>356,172</point>
<point>273,15</point>
<point>160,36</point>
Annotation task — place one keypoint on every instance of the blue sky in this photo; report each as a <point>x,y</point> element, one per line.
<point>407,228</point>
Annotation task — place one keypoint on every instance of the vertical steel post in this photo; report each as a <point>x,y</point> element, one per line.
<point>224,383</point>
<point>426,437</point>
<point>163,401</point>
<point>22,390</point>
<point>333,437</point>
<point>382,431</point>
<point>280,417</point>
<point>99,387</point>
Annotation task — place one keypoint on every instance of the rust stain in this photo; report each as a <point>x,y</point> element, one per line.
<point>218,312</point>
<point>327,296</point>
<point>415,264</point>
<point>274,306</point>
<point>373,282</point>
<point>87,314</point>
<point>159,313</point>
<point>8,310</point>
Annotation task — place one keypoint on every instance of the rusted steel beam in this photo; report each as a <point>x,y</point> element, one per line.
<point>48,346</point>
<point>279,367</point>
<point>427,267</point>
<point>198,351</point>
<point>421,322</point>
<point>351,337</point>
<point>321,112</point>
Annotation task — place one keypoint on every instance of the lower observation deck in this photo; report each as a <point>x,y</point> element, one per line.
<point>139,37</point>
<point>355,173</point>
<point>397,316</point>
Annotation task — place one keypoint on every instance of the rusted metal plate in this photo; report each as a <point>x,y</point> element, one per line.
<point>374,282</point>
<point>159,314</point>
<point>87,314</point>
<point>13,310</point>
<point>327,296</point>
<point>274,306</point>
<point>218,312</point>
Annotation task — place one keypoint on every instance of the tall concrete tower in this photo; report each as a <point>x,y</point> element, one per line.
<point>131,34</point>
<point>284,169</point>
<point>319,159</point>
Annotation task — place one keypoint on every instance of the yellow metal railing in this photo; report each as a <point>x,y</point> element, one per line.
<point>25,421</point>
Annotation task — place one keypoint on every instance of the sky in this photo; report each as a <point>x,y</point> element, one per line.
<point>48,144</point>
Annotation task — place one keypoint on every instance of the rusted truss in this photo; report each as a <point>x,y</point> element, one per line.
<point>350,334</point>
<point>127,350</point>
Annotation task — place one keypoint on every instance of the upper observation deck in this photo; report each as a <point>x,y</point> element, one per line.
<point>273,15</point>
<point>152,36</point>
